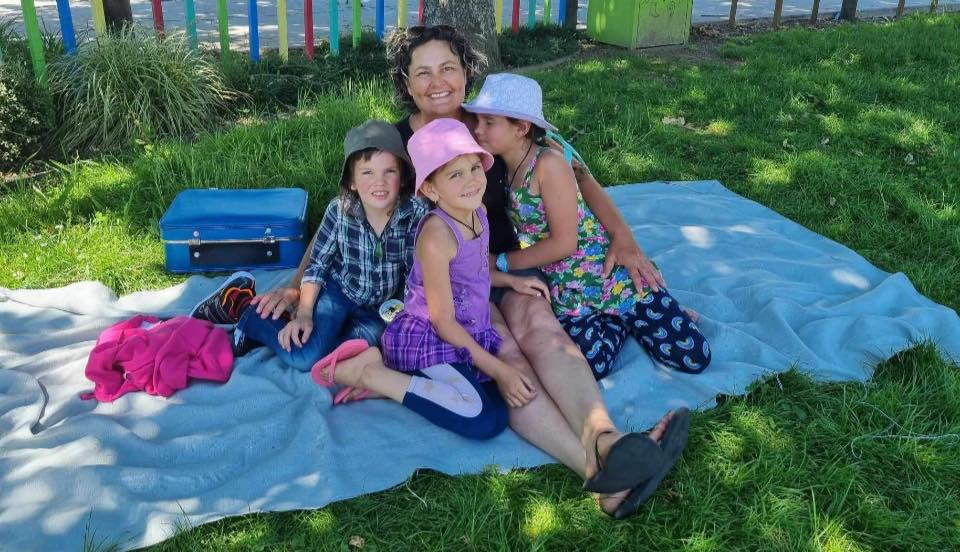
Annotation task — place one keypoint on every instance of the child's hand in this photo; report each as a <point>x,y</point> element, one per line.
<point>296,332</point>
<point>515,387</point>
<point>624,251</point>
<point>530,285</point>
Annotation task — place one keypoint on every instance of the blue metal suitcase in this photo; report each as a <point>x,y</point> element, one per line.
<point>216,230</point>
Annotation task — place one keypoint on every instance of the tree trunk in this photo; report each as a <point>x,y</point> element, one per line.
<point>117,13</point>
<point>848,10</point>
<point>571,22</point>
<point>474,18</point>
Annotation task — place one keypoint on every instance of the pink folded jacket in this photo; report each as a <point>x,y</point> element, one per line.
<point>145,354</point>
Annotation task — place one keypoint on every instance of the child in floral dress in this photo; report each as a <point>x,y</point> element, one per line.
<point>559,233</point>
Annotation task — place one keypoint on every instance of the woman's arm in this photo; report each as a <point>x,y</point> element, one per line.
<point>558,190</point>
<point>275,302</point>
<point>436,247</point>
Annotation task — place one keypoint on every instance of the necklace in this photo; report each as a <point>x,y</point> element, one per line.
<point>471,226</point>
<point>520,164</point>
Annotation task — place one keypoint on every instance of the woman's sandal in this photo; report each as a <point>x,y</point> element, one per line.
<point>631,460</point>
<point>347,349</point>
<point>673,442</point>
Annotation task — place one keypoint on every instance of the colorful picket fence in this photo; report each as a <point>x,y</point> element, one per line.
<point>35,41</point>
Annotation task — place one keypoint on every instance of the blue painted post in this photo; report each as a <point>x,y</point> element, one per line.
<point>380,19</point>
<point>334,28</point>
<point>532,14</point>
<point>66,26</point>
<point>254,30</point>
<point>562,16</point>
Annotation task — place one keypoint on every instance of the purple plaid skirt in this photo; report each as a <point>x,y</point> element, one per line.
<point>410,343</point>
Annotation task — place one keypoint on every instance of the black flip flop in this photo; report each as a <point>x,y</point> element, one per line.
<point>631,460</point>
<point>673,442</point>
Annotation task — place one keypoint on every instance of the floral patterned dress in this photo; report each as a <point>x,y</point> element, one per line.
<point>577,285</point>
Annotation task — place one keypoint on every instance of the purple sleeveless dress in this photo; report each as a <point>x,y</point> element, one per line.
<point>410,342</point>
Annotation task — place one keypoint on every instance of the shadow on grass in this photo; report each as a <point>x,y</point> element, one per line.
<point>794,464</point>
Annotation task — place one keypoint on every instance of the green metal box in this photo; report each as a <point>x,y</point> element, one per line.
<point>639,23</point>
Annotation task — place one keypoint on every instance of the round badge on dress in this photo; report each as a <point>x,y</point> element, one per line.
<point>390,309</point>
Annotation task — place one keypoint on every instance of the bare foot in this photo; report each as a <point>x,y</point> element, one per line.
<point>610,502</point>
<point>350,371</point>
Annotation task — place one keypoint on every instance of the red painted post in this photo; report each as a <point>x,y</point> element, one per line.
<point>157,17</point>
<point>515,22</point>
<point>308,28</point>
<point>420,13</point>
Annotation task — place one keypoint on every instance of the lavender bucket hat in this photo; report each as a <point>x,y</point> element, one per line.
<point>510,95</point>
<point>438,143</point>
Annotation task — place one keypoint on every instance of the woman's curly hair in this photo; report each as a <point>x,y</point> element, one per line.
<point>401,44</point>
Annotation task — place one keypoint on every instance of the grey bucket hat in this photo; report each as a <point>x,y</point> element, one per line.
<point>375,134</point>
<point>510,95</point>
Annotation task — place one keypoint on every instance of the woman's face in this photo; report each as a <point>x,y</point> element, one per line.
<point>436,79</point>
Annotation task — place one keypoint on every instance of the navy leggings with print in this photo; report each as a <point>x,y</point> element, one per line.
<point>657,322</point>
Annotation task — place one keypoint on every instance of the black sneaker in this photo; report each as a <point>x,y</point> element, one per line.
<point>226,304</point>
<point>242,344</point>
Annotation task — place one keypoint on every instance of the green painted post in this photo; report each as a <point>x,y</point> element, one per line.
<point>190,13</point>
<point>356,23</point>
<point>34,41</point>
<point>546,12</point>
<point>222,19</point>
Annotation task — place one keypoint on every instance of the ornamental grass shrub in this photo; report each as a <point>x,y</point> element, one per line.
<point>130,86</point>
<point>25,108</point>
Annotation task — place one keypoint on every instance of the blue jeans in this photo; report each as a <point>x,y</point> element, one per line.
<point>336,319</point>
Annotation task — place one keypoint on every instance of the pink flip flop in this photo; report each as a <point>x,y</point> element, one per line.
<point>341,396</point>
<point>347,349</point>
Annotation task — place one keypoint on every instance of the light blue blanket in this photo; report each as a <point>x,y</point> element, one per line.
<point>771,294</point>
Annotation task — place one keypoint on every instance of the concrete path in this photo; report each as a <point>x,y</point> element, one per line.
<point>173,13</point>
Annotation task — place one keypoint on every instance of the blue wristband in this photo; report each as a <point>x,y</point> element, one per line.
<point>502,263</point>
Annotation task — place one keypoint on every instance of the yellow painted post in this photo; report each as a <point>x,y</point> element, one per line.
<point>499,15</point>
<point>282,25</point>
<point>99,20</point>
<point>402,14</point>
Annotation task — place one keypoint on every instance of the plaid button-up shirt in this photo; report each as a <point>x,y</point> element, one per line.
<point>369,269</point>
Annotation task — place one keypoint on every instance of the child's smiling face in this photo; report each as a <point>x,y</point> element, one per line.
<point>458,185</point>
<point>377,181</point>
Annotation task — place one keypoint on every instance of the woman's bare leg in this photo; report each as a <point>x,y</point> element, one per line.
<point>539,421</point>
<point>561,369</point>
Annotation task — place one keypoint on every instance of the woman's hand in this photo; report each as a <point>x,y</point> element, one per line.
<point>275,302</point>
<point>625,252</point>
<point>530,285</point>
<point>296,332</point>
<point>515,387</point>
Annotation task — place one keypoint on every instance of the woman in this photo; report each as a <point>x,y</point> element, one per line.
<point>433,67</point>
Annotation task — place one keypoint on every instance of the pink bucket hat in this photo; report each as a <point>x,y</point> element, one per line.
<point>439,142</point>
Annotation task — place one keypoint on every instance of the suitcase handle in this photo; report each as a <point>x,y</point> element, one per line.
<point>238,252</point>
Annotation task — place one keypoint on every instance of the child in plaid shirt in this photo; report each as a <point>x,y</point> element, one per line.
<point>360,257</point>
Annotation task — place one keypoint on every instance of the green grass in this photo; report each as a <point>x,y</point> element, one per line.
<point>851,131</point>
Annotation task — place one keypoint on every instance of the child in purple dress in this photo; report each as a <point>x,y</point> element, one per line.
<point>446,317</point>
